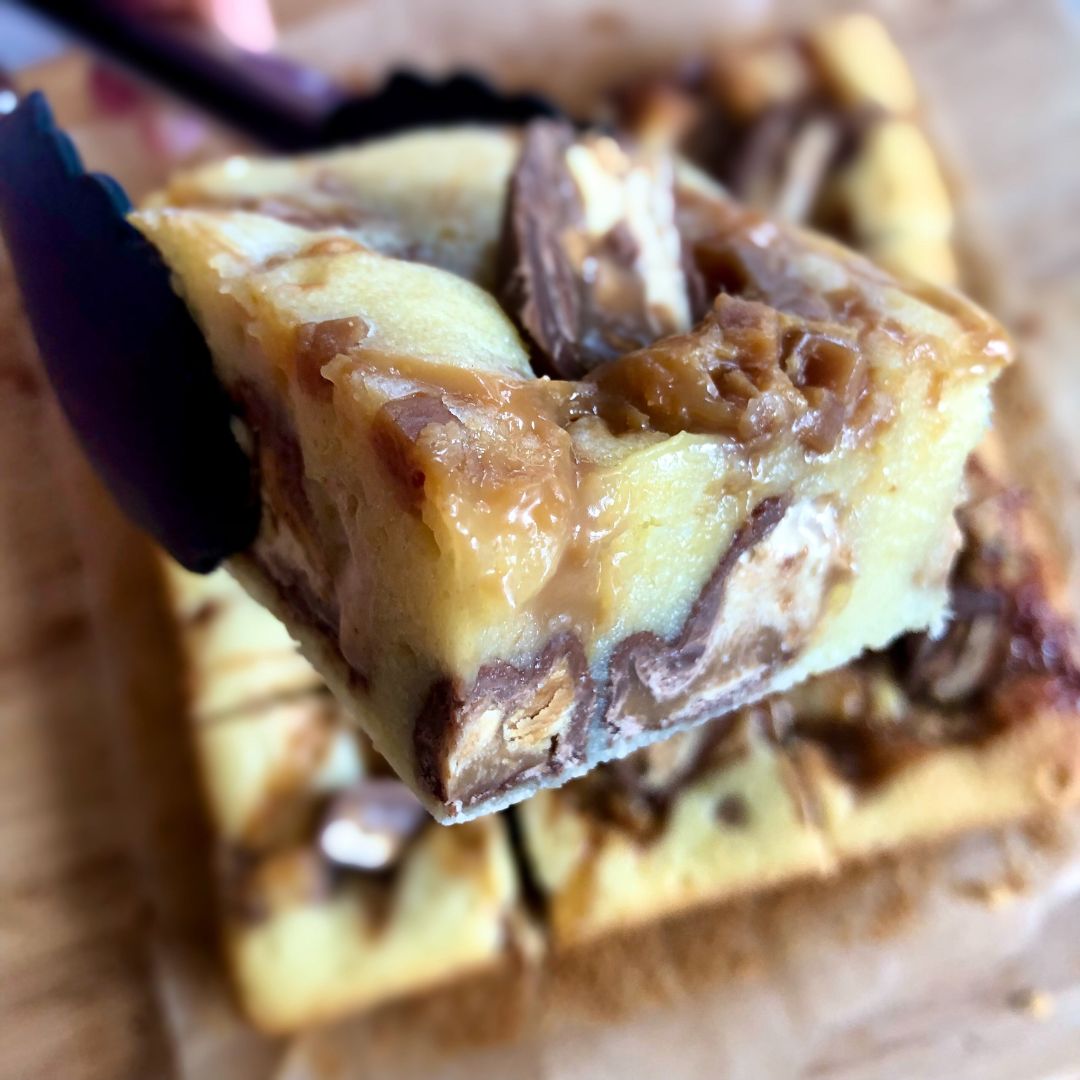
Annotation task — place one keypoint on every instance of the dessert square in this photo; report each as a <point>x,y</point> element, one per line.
<point>338,891</point>
<point>741,474</point>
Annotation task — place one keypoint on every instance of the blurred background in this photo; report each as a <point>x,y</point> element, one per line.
<point>1001,82</point>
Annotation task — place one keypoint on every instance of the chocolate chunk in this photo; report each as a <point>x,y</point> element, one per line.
<point>318,343</point>
<point>636,794</point>
<point>395,430</point>
<point>863,758</point>
<point>964,661</point>
<point>255,887</point>
<point>280,463</point>
<point>733,811</point>
<point>512,724</point>
<point>711,666</point>
<point>593,263</point>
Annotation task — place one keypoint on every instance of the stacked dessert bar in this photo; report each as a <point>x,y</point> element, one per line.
<point>338,889</point>
<point>659,456</point>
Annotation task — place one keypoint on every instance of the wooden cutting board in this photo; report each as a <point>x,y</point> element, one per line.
<point>76,994</point>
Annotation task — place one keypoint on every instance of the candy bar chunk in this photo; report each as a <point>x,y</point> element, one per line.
<point>509,578</point>
<point>596,266</point>
<point>339,890</point>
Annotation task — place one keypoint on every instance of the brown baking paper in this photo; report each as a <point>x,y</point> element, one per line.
<point>963,961</point>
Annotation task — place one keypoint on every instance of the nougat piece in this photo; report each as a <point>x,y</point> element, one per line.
<point>509,578</point>
<point>339,892</point>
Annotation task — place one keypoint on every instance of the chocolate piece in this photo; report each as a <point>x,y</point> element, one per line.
<point>715,662</point>
<point>318,343</point>
<point>968,657</point>
<point>513,726</point>
<point>594,261</point>
<point>255,888</point>
<point>733,811</point>
<point>395,430</point>
<point>636,794</point>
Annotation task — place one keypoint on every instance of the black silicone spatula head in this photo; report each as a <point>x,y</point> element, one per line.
<point>128,363</point>
<point>408,100</point>
<point>281,104</point>
<point>129,366</point>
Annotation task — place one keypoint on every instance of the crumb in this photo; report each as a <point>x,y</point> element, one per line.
<point>1038,1004</point>
<point>605,22</point>
<point>1054,782</point>
<point>1046,834</point>
<point>1027,325</point>
<point>995,894</point>
<point>1007,885</point>
<point>896,907</point>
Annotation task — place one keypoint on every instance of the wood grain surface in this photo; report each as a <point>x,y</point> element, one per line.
<point>76,997</point>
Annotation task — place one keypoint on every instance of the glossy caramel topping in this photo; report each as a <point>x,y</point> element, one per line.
<point>486,463</point>
<point>747,372</point>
